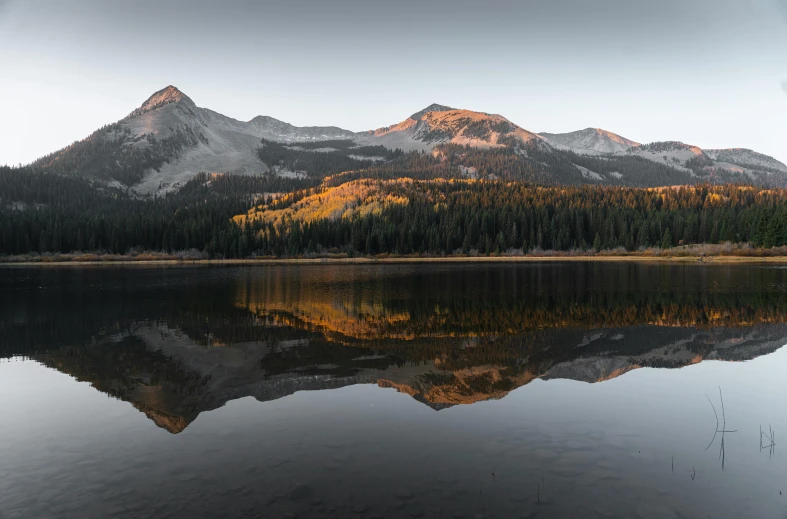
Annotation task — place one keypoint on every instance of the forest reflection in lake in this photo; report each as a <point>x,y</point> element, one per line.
<point>187,346</point>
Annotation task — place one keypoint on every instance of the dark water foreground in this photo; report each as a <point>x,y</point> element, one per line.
<point>538,390</point>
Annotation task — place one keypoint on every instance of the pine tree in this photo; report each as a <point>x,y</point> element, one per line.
<point>666,241</point>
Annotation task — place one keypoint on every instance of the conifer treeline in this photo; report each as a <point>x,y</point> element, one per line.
<point>445,217</point>
<point>532,162</point>
<point>306,158</point>
<point>44,212</point>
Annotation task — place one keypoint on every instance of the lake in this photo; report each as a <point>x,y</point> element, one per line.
<point>552,389</point>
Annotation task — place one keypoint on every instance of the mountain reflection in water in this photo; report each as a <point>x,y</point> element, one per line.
<point>181,341</point>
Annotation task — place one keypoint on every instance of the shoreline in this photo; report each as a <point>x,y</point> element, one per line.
<point>719,260</point>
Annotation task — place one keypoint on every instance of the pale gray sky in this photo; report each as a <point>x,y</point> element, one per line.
<point>706,72</point>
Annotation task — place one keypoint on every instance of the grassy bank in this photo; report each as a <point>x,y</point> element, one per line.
<point>723,253</point>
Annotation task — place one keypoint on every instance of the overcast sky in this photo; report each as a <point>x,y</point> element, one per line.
<point>707,72</point>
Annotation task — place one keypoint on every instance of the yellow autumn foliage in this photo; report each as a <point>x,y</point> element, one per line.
<point>358,198</point>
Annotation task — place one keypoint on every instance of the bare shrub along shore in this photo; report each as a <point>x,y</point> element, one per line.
<point>716,253</point>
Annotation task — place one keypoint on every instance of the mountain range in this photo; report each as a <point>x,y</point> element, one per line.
<point>176,343</point>
<point>200,379</point>
<point>165,142</point>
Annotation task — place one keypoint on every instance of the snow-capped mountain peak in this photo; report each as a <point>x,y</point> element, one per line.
<point>161,98</point>
<point>590,141</point>
<point>168,139</point>
<point>438,124</point>
<point>434,107</point>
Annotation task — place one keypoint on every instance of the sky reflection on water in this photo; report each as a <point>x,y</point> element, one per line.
<point>261,423</point>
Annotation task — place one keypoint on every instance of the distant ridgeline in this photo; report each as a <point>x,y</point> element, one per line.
<point>174,176</point>
<point>402,204</point>
<point>168,139</point>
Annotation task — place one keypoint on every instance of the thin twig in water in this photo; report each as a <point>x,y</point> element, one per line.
<point>771,441</point>
<point>721,452</point>
<point>770,437</point>
<point>717,422</point>
<point>723,415</point>
<point>713,406</point>
<point>723,427</point>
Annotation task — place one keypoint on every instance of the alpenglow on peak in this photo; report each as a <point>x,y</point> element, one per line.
<point>434,107</point>
<point>163,97</point>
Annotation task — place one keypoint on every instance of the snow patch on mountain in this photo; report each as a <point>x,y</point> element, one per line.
<point>670,153</point>
<point>315,150</point>
<point>746,158</point>
<point>175,139</point>
<point>365,157</point>
<point>468,171</point>
<point>590,141</point>
<point>586,173</point>
<point>279,131</point>
<point>225,145</point>
<point>286,173</point>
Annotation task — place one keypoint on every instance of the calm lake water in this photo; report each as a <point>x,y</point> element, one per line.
<point>524,390</point>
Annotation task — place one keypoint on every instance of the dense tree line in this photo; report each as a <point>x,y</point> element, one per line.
<point>307,159</point>
<point>444,217</point>
<point>44,212</point>
<point>529,164</point>
<point>533,162</point>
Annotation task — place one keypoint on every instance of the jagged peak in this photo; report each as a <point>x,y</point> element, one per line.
<point>434,107</point>
<point>170,94</point>
<point>163,97</point>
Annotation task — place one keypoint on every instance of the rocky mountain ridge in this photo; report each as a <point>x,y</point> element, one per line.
<point>203,379</point>
<point>590,141</point>
<point>168,139</point>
